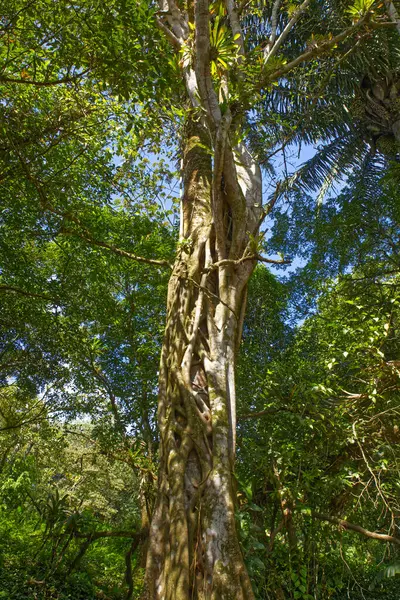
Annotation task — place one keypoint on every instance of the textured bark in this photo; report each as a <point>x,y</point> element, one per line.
<point>194,550</point>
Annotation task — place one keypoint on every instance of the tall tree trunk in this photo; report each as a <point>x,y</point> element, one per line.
<point>194,550</point>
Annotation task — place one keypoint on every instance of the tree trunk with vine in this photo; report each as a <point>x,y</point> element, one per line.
<point>194,550</point>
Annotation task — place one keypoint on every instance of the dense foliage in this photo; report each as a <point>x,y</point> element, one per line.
<point>90,123</point>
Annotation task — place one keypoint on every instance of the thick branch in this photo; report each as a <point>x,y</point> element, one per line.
<point>383,537</point>
<point>229,262</point>
<point>269,207</point>
<point>202,64</point>
<point>188,356</point>
<point>170,35</point>
<point>273,261</point>
<point>274,23</point>
<point>82,551</point>
<point>235,25</point>
<point>274,47</point>
<point>217,203</point>
<point>92,537</point>
<point>176,18</point>
<point>243,4</point>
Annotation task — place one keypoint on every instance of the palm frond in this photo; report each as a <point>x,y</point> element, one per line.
<point>332,162</point>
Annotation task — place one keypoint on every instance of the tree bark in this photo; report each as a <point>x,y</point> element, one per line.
<point>193,549</point>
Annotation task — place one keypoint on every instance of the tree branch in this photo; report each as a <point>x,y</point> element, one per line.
<point>272,261</point>
<point>242,6</point>
<point>211,295</point>
<point>96,535</point>
<point>128,563</point>
<point>235,25</point>
<point>227,261</point>
<point>393,14</point>
<point>273,47</point>
<point>118,251</point>
<point>273,535</point>
<point>263,413</point>
<point>87,237</point>
<point>170,35</point>
<point>176,18</point>
<point>383,537</point>
<point>274,23</point>
<point>188,356</point>
<point>217,203</point>
<point>272,202</point>
<point>92,537</point>
<point>202,63</point>
<point>22,423</point>
<point>4,79</point>
<point>17,290</point>
<point>82,551</point>
<point>128,461</point>
<point>319,49</point>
